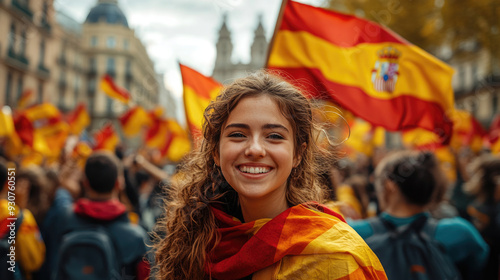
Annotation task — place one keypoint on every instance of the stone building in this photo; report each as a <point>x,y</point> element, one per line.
<point>63,61</point>
<point>225,70</point>
<point>27,56</point>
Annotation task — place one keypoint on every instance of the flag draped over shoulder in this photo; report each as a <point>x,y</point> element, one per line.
<point>364,67</point>
<point>112,90</point>
<point>199,90</point>
<point>309,235</point>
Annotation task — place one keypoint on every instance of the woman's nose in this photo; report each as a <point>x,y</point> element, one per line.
<point>255,148</point>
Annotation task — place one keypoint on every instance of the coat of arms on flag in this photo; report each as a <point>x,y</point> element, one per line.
<point>385,74</point>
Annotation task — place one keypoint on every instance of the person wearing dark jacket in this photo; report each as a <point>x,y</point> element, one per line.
<point>100,208</point>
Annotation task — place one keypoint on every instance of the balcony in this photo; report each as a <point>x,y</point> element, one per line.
<point>62,60</point>
<point>23,8</point>
<point>43,71</point>
<point>46,25</point>
<point>17,60</point>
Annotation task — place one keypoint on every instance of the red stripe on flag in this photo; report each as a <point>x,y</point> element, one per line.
<point>337,28</point>
<point>401,112</point>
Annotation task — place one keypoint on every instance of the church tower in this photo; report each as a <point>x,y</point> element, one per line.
<point>259,47</point>
<point>224,51</point>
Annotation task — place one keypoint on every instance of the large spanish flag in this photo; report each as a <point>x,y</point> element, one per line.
<point>112,90</point>
<point>364,67</point>
<point>300,243</point>
<point>199,90</point>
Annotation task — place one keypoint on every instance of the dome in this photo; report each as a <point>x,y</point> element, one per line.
<point>108,11</point>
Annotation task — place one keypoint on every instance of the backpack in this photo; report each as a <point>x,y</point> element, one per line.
<point>5,251</point>
<point>87,251</point>
<point>410,251</point>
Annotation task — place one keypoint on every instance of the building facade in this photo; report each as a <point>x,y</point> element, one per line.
<point>27,56</point>
<point>225,70</point>
<point>63,61</point>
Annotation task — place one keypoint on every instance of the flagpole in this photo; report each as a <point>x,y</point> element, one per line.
<point>276,28</point>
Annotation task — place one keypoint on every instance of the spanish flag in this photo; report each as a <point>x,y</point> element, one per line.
<point>199,90</point>
<point>364,67</point>
<point>134,120</point>
<point>25,99</point>
<point>112,90</point>
<point>6,122</point>
<point>177,143</point>
<point>467,131</point>
<point>79,119</point>
<point>307,241</point>
<point>168,137</point>
<point>106,138</point>
<point>494,135</point>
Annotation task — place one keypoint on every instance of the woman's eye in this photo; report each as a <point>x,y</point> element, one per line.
<point>276,136</point>
<point>236,135</point>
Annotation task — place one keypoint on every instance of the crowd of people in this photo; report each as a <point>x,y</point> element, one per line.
<point>259,199</point>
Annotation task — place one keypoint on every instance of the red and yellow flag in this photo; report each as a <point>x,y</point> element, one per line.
<point>106,138</point>
<point>467,131</point>
<point>168,137</point>
<point>134,120</point>
<point>199,90</point>
<point>6,122</point>
<point>494,135</point>
<point>112,90</point>
<point>364,67</point>
<point>25,99</point>
<point>79,119</point>
<point>302,235</point>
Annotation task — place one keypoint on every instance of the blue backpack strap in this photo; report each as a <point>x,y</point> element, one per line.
<point>377,225</point>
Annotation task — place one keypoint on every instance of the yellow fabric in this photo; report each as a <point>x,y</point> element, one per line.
<point>318,262</point>
<point>30,248</point>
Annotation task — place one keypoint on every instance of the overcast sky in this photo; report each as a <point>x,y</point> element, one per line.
<point>187,30</point>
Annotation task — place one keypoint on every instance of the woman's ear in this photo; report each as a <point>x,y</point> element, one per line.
<point>298,158</point>
<point>216,158</point>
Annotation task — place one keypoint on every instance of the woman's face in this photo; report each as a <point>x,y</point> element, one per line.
<point>257,149</point>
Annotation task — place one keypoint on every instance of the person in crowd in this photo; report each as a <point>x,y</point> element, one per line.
<point>34,178</point>
<point>407,183</point>
<point>101,212</point>
<point>243,206</point>
<point>484,211</point>
<point>29,246</point>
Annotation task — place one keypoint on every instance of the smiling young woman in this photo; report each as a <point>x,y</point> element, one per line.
<point>246,205</point>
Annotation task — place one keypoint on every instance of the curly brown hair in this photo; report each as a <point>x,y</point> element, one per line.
<point>189,227</point>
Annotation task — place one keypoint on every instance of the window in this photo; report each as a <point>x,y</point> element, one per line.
<point>40,92</point>
<point>42,53</point>
<point>12,37</point>
<point>111,42</point>
<point>92,65</point>
<point>8,88</point>
<point>110,66</point>
<point>19,87</point>
<point>125,44</point>
<point>93,41</point>
<point>23,43</point>
<point>109,105</point>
